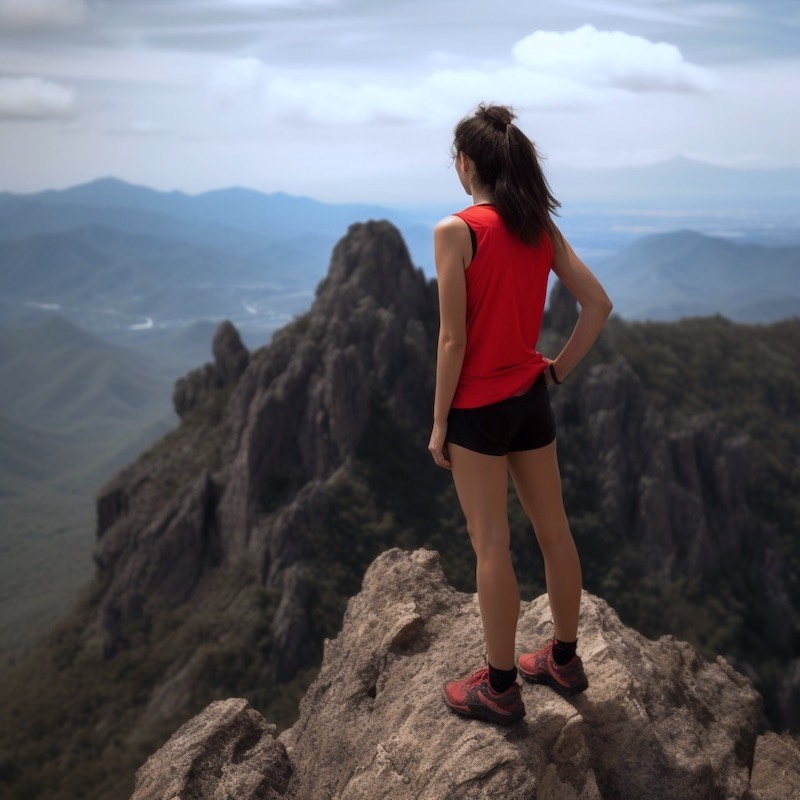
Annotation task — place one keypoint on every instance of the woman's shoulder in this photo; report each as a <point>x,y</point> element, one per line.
<point>477,216</point>
<point>452,224</point>
<point>481,211</point>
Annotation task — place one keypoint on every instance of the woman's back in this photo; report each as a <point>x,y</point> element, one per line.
<point>506,292</point>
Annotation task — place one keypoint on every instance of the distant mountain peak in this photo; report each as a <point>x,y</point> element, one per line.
<point>371,259</point>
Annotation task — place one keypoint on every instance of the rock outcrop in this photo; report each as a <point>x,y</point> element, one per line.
<point>228,751</point>
<point>269,430</point>
<point>678,494</point>
<point>776,767</point>
<point>230,361</point>
<point>658,721</point>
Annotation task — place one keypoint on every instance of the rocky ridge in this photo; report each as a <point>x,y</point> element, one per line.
<point>264,433</point>
<point>657,721</point>
<point>249,475</point>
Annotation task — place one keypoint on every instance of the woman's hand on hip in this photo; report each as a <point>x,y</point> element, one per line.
<point>438,446</point>
<point>548,378</point>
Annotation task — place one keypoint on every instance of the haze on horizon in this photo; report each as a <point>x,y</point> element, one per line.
<point>355,100</point>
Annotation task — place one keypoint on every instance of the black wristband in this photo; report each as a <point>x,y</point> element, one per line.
<point>553,374</point>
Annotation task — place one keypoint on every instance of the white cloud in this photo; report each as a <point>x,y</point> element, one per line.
<point>440,98</point>
<point>139,127</point>
<point>672,13</point>
<point>236,77</point>
<point>17,14</point>
<point>279,3</point>
<point>34,98</point>
<point>159,68</point>
<point>614,58</point>
<point>551,72</point>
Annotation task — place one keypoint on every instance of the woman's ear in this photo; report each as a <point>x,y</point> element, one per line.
<point>464,167</point>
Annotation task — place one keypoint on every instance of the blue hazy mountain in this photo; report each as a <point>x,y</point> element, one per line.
<point>57,375</point>
<point>264,215</point>
<point>116,257</point>
<point>685,273</point>
<point>74,408</point>
<point>681,183</point>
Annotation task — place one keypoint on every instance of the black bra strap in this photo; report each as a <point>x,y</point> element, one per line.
<point>474,240</point>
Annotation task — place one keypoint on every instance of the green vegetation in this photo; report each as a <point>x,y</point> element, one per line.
<point>71,721</point>
<point>748,376</point>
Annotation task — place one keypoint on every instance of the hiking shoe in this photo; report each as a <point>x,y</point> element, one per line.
<point>473,696</point>
<point>539,667</point>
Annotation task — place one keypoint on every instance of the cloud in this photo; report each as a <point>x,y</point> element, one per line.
<point>612,58</point>
<point>236,77</point>
<point>674,13</point>
<point>440,97</point>
<point>34,98</point>
<point>139,127</point>
<point>548,71</point>
<point>260,4</point>
<point>19,14</point>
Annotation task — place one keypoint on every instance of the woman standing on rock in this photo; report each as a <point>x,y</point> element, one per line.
<point>492,409</point>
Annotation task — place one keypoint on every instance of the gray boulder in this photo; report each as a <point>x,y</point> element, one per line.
<point>226,751</point>
<point>658,721</point>
<point>776,770</point>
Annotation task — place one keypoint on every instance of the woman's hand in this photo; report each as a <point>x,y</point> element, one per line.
<point>548,378</point>
<point>438,446</point>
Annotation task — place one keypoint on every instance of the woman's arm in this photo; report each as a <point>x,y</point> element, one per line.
<point>594,302</point>
<point>452,251</point>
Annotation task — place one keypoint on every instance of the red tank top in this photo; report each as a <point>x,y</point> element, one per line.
<point>506,293</point>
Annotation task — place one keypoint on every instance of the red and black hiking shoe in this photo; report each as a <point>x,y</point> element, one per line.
<point>539,667</point>
<point>473,696</point>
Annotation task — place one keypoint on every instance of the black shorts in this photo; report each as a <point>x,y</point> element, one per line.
<point>520,422</point>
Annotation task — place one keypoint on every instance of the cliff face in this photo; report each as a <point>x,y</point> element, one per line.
<point>262,434</point>
<point>679,495</point>
<point>657,721</point>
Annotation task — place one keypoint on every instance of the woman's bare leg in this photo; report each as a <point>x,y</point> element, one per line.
<point>538,483</point>
<point>481,483</point>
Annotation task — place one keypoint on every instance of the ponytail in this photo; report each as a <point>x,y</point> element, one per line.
<point>508,164</point>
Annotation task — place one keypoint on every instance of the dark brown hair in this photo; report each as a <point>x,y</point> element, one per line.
<point>508,165</point>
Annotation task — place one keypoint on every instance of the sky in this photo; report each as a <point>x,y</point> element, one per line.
<point>356,100</point>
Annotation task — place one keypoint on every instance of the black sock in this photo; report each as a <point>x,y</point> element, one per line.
<point>563,651</point>
<point>501,679</point>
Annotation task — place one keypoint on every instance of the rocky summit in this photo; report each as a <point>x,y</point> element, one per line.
<point>658,721</point>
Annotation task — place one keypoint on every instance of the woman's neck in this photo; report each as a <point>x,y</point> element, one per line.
<point>481,196</point>
<point>480,193</point>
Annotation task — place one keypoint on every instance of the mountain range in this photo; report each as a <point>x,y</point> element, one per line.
<point>688,274</point>
<point>682,182</point>
<point>227,551</point>
<point>131,263</point>
<point>153,273</point>
<point>108,291</point>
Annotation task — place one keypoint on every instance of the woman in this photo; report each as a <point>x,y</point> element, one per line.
<point>492,409</point>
